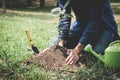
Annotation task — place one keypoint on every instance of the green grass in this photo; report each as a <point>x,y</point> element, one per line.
<point>116,8</point>
<point>42,26</point>
<point>14,44</point>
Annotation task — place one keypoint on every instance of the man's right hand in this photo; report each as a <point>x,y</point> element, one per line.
<point>61,43</point>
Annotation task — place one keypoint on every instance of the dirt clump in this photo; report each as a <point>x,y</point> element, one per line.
<point>54,58</point>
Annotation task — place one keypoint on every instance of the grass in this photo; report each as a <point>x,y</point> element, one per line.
<point>42,26</point>
<point>14,44</point>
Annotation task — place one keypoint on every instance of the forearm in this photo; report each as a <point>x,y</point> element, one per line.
<point>78,48</point>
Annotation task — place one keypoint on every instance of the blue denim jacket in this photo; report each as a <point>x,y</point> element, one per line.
<point>92,16</point>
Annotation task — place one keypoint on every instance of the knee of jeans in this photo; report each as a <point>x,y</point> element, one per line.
<point>103,42</point>
<point>100,47</point>
<point>99,50</point>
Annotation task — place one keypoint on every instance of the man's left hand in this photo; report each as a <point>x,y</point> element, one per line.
<point>72,56</point>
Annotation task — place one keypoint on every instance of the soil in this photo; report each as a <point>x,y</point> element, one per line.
<point>54,58</point>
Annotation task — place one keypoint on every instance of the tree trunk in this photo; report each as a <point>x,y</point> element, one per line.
<point>42,3</point>
<point>29,2</point>
<point>4,6</point>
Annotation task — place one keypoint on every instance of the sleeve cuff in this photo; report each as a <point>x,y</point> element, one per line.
<point>83,41</point>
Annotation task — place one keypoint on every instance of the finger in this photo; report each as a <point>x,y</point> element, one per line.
<point>75,60</point>
<point>68,51</point>
<point>68,58</point>
<point>70,61</point>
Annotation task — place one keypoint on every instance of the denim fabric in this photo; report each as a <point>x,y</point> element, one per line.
<point>104,38</point>
<point>103,41</point>
<point>74,35</point>
<point>88,18</point>
<point>95,24</point>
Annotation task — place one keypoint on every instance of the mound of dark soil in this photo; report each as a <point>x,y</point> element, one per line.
<point>54,58</point>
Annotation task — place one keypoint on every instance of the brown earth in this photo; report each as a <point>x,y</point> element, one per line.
<point>54,58</point>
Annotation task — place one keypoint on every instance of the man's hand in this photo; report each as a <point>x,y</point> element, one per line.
<point>61,43</point>
<point>73,54</point>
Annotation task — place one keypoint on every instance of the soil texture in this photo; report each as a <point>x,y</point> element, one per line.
<point>54,58</point>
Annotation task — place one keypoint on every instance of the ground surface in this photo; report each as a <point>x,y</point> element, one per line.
<point>54,58</point>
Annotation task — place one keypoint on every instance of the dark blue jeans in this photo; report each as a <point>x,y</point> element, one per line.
<point>100,44</point>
